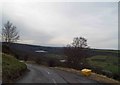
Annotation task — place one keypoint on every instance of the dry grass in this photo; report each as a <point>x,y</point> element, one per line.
<point>93,76</point>
<point>102,78</point>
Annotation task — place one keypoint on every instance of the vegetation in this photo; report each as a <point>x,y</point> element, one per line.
<point>12,68</point>
<point>75,52</point>
<point>110,51</point>
<point>99,60</point>
<point>9,33</point>
<point>49,59</point>
<point>107,65</point>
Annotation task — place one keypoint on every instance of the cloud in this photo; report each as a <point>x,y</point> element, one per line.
<point>57,23</point>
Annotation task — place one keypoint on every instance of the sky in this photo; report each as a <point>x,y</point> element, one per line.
<point>57,23</point>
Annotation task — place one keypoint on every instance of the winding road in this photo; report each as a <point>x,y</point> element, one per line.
<point>42,74</point>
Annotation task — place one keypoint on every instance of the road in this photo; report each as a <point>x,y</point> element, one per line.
<point>42,74</point>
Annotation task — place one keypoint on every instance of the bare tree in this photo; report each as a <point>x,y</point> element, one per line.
<point>76,51</point>
<point>80,42</point>
<point>9,33</point>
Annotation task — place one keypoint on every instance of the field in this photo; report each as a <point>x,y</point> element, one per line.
<point>107,63</point>
<point>11,68</point>
<point>110,51</point>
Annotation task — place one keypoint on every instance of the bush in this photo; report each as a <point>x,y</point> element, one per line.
<point>116,76</point>
<point>38,60</point>
<point>51,63</point>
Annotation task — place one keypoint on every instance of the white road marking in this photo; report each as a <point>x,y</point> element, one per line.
<point>48,72</point>
<point>54,81</point>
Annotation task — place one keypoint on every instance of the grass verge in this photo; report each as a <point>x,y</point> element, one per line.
<point>109,63</point>
<point>12,69</point>
<point>93,76</point>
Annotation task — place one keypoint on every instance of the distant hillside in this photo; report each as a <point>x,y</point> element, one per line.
<point>33,48</point>
<point>94,52</point>
<point>25,49</point>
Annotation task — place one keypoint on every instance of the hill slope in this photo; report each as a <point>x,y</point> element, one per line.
<point>19,48</point>
<point>11,68</point>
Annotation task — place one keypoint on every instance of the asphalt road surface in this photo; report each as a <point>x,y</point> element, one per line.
<point>41,74</point>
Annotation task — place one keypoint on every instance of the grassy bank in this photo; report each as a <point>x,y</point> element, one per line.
<point>93,76</point>
<point>12,69</point>
<point>109,63</point>
<point>106,65</point>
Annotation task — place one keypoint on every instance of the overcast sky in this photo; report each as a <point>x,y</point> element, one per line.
<point>57,23</point>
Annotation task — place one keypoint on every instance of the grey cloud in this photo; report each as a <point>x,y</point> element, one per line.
<point>56,23</point>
